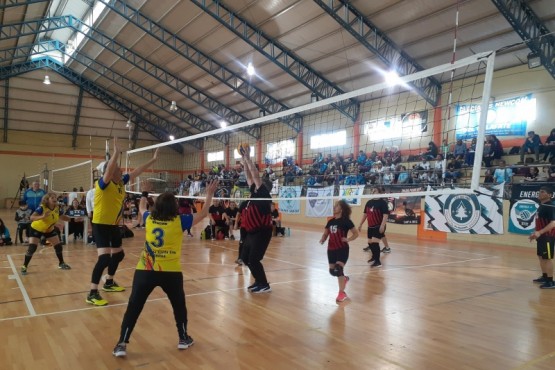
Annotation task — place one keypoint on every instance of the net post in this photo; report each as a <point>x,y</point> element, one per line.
<point>477,166</point>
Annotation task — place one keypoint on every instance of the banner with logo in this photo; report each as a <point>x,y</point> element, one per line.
<point>290,206</point>
<point>524,205</point>
<point>351,194</point>
<point>317,207</point>
<point>405,210</point>
<point>508,117</point>
<point>466,213</point>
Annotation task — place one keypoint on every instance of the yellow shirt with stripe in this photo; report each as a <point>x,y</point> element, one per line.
<point>108,201</point>
<point>162,249</point>
<point>46,224</point>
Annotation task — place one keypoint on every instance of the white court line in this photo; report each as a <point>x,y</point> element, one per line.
<point>22,288</point>
<point>239,288</point>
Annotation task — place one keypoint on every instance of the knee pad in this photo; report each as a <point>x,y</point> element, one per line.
<point>337,270</point>
<point>118,257</point>
<point>31,250</point>
<point>58,248</point>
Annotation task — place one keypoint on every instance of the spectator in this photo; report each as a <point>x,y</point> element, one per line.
<point>23,218</point>
<point>76,224</point>
<point>494,151</point>
<point>531,145</point>
<point>186,207</point>
<point>33,196</point>
<point>216,214</point>
<point>532,175</point>
<point>404,176</point>
<point>432,151</point>
<point>459,152</point>
<point>453,171</point>
<point>502,174</point>
<point>71,196</point>
<point>549,147</point>
<point>446,149</point>
<point>488,177</point>
<point>396,155</point>
<point>5,238</point>
<point>469,157</point>
<point>361,159</point>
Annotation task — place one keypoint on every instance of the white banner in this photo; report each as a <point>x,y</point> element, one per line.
<point>319,207</point>
<point>467,213</point>
<point>290,206</point>
<point>351,194</point>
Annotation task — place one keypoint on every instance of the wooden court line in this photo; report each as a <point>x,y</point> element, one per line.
<point>17,278</point>
<point>233,289</point>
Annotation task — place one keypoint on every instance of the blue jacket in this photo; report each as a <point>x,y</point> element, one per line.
<point>33,198</point>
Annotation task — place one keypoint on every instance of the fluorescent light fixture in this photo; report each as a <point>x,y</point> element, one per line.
<point>172,137</point>
<point>534,60</point>
<point>223,124</point>
<point>173,107</point>
<point>46,80</point>
<point>250,69</point>
<point>392,78</point>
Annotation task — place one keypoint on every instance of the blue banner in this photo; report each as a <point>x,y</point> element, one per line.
<point>508,117</point>
<point>290,206</point>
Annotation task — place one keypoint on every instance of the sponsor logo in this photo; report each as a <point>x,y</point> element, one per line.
<point>523,213</point>
<point>462,212</point>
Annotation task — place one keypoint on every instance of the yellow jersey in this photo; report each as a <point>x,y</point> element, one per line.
<point>108,201</point>
<point>162,249</point>
<point>46,224</point>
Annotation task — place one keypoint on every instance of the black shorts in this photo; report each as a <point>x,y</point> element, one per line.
<point>38,234</point>
<point>338,255</point>
<point>545,248</point>
<point>106,236</point>
<point>374,232</point>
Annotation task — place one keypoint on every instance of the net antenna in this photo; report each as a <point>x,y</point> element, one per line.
<point>327,134</point>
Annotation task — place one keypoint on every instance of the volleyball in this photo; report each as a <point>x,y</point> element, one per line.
<point>243,149</point>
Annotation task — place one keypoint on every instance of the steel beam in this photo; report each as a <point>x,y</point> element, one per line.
<point>148,121</point>
<point>279,55</point>
<point>531,29</point>
<point>77,118</point>
<point>12,3</point>
<point>201,60</point>
<point>382,46</point>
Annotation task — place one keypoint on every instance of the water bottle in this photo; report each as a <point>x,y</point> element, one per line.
<point>288,231</point>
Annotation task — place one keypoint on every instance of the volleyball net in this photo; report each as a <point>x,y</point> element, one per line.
<point>398,134</point>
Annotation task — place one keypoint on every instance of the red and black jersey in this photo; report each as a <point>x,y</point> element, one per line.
<point>338,228</point>
<point>216,212</point>
<point>257,214</point>
<point>375,209</point>
<point>545,214</point>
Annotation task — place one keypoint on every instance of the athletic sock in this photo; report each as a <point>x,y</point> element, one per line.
<point>93,291</point>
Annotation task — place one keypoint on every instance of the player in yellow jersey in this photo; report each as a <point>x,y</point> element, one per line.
<point>43,221</point>
<point>160,265</point>
<point>107,213</point>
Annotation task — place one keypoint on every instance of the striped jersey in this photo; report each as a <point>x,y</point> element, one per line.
<point>375,209</point>
<point>257,213</point>
<point>338,228</point>
<point>545,214</point>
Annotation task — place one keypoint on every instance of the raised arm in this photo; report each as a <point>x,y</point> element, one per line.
<point>112,166</point>
<point>210,190</point>
<point>137,171</point>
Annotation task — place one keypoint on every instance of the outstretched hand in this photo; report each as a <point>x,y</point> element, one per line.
<point>116,148</point>
<point>212,187</point>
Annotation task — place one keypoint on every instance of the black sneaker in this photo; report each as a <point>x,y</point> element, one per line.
<point>367,249</point>
<point>371,260</point>
<point>540,280</point>
<point>386,250</point>
<point>252,286</point>
<point>261,289</point>
<point>185,343</point>
<point>376,264</point>
<point>548,285</point>
<point>120,350</point>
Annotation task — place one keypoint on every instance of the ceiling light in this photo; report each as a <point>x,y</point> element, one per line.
<point>46,80</point>
<point>128,125</point>
<point>173,107</point>
<point>534,60</point>
<point>172,137</point>
<point>261,113</point>
<point>250,69</point>
<point>313,98</point>
<point>392,78</point>
<point>223,124</point>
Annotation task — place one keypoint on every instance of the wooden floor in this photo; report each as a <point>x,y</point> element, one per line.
<point>431,306</point>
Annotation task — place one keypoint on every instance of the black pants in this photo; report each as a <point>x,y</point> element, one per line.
<point>254,248</point>
<point>144,283</point>
<point>21,227</point>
